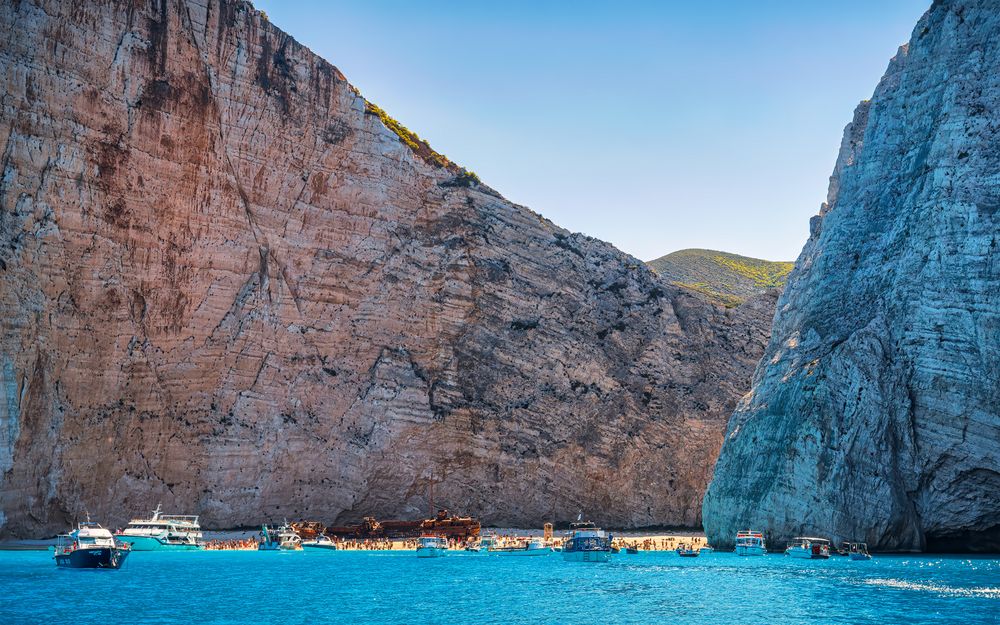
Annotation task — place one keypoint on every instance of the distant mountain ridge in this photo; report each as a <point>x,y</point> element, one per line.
<point>728,278</point>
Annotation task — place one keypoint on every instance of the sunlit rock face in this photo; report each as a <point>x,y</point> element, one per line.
<point>875,412</point>
<point>226,285</point>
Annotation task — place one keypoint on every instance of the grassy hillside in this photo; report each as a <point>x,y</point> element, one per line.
<point>727,278</point>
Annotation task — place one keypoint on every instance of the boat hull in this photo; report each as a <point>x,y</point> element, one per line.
<point>747,550</point>
<point>431,552</point>
<point>807,554</point>
<point>315,546</point>
<point>521,552</point>
<point>96,558</point>
<point>600,555</point>
<point>151,543</point>
<point>277,547</point>
<point>860,556</point>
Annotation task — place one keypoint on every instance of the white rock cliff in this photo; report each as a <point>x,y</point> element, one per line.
<point>875,412</point>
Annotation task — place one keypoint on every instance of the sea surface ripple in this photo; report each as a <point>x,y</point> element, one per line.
<point>319,587</point>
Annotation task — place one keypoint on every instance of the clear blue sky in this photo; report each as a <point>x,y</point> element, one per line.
<point>656,126</point>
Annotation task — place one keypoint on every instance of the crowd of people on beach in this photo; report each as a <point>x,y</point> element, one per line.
<point>236,544</point>
<point>386,544</point>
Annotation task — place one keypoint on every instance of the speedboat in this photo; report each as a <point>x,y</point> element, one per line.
<point>320,542</point>
<point>809,548</point>
<point>687,552</point>
<point>429,546</point>
<point>859,551</point>
<point>587,543</point>
<point>162,532</point>
<point>90,546</point>
<point>283,538</point>
<point>750,543</point>
<point>483,545</point>
<point>534,547</point>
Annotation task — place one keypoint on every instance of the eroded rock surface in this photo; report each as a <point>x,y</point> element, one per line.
<point>227,285</point>
<point>875,412</point>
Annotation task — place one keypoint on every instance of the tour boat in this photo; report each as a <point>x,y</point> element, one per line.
<point>534,547</point>
<point>587,543</point>
<point>283,538</point>
<point>859,551</point>
<point>750,543</point>
<point>162,532</point>
<point>809,548</point>
<point>432,546</point>
<point>320,542</point>
<point>89,546</point>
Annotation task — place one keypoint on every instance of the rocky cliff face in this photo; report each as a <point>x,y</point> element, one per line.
<point>875,412</point>
<point>227,284</point>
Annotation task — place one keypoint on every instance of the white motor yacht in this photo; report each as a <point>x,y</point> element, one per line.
<point>162,532</point>
<point>809,547</point>
<point>533,547</point>
<point>750,543</point>
<point>432,546</point>
<point>283,538</point>
<point>320,542</point>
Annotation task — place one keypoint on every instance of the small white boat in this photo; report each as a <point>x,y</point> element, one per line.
<point>283,538</point>
<point>320,542</point>
<point>534,547</point>
<point>432,547</point>
<point>687,552</point>
<point>750,543</point>
<point>705,550</point>
<point>163,532</point>
<point>587,543</point>
<point>809,548</point>
<point>859,551</point>
<point>483,545</point>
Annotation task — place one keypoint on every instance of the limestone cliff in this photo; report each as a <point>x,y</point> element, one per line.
<point>229,283</point>
<point>875,412</point>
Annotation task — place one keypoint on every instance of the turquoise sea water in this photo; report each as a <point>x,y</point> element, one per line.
<point>396,587</point>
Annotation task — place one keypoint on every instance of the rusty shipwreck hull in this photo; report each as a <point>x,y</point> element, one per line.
<point>442,525</point>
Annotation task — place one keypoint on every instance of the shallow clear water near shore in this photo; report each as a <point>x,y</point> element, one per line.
<point>313,587</point>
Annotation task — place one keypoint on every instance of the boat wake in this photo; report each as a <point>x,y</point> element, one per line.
<point>949,591</point>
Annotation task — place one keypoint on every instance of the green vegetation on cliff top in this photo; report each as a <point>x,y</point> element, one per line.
<point>420,147</point>
<point>726,278</point>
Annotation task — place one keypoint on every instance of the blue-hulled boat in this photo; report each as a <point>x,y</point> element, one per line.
<point>89,546</point>
<point>587,543</point>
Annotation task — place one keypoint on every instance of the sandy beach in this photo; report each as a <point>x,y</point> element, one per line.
<point>643,540</point>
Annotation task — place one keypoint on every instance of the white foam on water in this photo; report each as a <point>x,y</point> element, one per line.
<point>950,591</point>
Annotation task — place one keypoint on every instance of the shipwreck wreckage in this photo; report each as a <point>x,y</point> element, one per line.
<point>441,524</point>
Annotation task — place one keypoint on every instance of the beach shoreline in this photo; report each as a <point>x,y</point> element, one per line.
<point>644,540</point>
